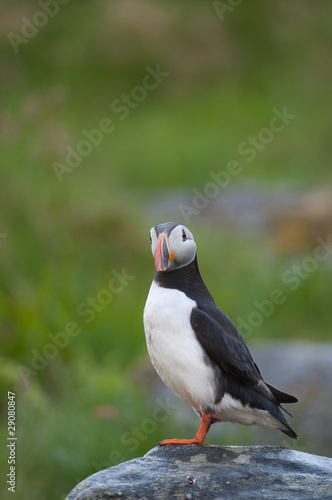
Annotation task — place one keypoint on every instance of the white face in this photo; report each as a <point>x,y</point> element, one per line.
<point>172,249</point>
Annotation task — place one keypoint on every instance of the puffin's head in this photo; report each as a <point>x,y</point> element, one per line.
<point>172,246</point>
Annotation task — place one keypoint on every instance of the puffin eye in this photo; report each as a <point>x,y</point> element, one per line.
<point>184,236</point>
<point>150,238</point>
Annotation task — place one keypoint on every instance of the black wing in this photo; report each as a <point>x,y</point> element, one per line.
<point>226,348</point>
<point>224,345</point>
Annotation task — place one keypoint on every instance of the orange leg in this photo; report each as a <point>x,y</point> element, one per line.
<point>200,436</point>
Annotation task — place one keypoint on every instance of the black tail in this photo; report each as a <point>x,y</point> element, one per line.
<point>276,412</point>
<point>282,397</point>
<point>263,397</point>
<point>289,431</point>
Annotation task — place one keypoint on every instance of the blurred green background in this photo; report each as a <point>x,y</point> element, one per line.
<point>62,242</point>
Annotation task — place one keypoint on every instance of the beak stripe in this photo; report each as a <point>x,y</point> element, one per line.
<point>163,254</point>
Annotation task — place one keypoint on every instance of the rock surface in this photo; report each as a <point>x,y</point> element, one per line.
<point>211,473</point>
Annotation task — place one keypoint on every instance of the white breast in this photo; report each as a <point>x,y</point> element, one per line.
<point>173,348</point>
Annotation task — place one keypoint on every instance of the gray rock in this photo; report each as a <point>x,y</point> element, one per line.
<point>211,473</point>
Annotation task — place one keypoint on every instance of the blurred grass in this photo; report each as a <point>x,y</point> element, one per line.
<point>65,239</point>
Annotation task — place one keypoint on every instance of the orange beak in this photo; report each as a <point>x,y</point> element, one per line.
<point>163,253</point>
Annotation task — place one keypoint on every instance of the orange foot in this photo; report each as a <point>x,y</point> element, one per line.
<point>200,436</point>
<point>180,441</point>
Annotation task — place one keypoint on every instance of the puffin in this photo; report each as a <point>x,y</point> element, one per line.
<point>196,349</point>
